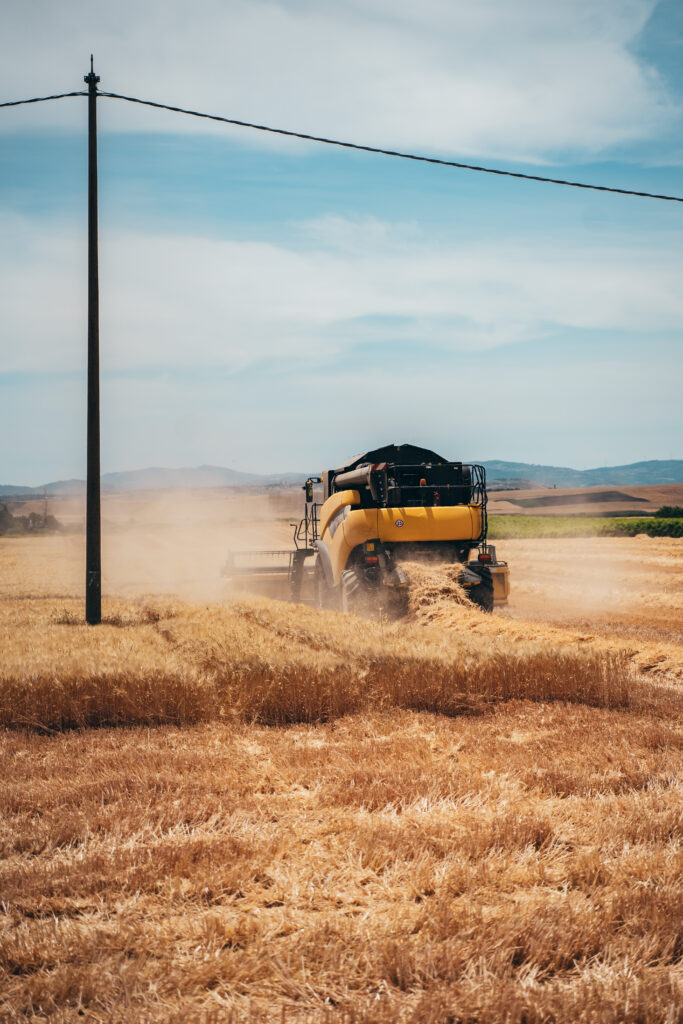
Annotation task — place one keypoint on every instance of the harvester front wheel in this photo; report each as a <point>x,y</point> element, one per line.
<point>351,593</point>
<point>359,598</point>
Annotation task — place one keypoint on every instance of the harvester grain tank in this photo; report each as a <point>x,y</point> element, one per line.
<point>379,510</point>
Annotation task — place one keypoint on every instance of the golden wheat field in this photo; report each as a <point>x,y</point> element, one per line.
<point>222,808</point>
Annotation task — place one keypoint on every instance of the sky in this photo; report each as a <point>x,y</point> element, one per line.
<point>276,306</point>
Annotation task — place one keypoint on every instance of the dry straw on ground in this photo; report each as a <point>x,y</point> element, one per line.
<point>274,663</point>
<point>309,817</point>
<point>384,867</point>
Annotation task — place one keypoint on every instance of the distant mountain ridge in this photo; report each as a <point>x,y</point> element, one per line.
<point>654,471</point>
<point>158,478</point>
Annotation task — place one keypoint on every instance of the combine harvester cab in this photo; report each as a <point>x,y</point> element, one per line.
<point>384,507</point>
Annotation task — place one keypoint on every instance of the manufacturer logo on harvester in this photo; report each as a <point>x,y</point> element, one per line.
<point>398,522</point>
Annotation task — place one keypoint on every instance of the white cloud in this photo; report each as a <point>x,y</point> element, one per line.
<point>583,416</point>
<point>179,301</point>
<point>496,78</point>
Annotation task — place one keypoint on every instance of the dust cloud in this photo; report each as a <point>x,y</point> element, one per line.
<point>596,577</point>
<point>175,543</point>
<point>171,543</point>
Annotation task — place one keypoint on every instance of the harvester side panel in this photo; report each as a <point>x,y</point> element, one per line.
<point>448,522</point>
<point>335,504</point>
<point>344,534</point>
<point>418,525</point>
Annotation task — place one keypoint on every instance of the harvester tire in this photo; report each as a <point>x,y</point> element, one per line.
<point>369,602</point>
<point>481,593</point>
<point>356,597</point>
<point>351,593</point>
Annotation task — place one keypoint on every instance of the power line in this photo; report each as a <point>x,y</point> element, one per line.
<point>357,146</point>
<point>394,153</point>
<point>41,99</point>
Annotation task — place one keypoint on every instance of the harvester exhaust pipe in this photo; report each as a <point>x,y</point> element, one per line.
<point>359,477</point>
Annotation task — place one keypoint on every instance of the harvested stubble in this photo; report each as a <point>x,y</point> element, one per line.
<point>370,861</point>
<point>387,867</point>
<point>275,664</point>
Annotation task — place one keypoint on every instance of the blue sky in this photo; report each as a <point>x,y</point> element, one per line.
<point>270,305</point>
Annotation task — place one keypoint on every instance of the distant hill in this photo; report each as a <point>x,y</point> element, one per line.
<point>524,474</point>
<point>157,478</point>
<point>58,487</point>
<point>160,479</point>
<point>7,490</point>
<point>499,474</point>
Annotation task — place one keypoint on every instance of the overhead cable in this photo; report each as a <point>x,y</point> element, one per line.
<point>358,146</point>
<point>392,152</point>
<point>41,99</point>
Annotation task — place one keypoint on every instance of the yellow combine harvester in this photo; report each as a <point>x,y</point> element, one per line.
<point>394,504</point>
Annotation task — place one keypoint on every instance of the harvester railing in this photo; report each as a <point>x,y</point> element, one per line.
<point>480,498</point>
<point>306,531</point>
<point>394,485</point>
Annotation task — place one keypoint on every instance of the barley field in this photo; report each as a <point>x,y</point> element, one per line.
<point>228,808</point>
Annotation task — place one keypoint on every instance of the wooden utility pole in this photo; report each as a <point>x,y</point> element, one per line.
<point>93,560</point>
